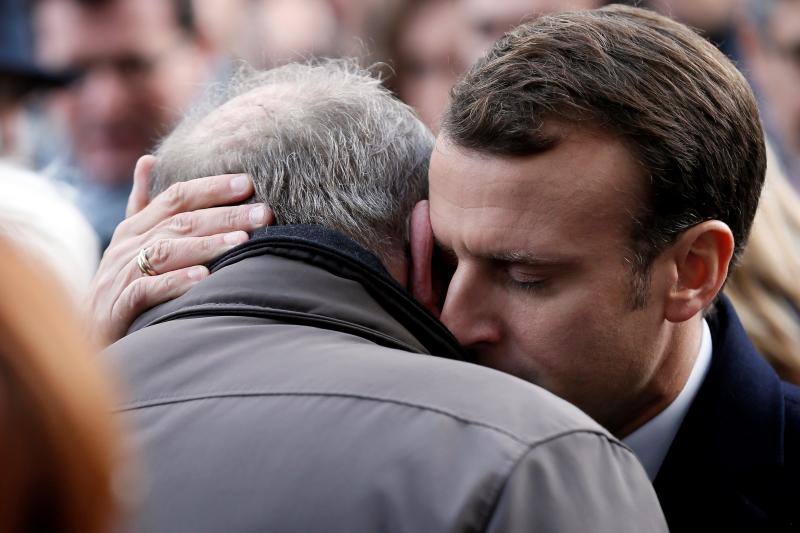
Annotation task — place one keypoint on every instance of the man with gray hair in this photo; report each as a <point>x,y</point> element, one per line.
<point>295,389</point>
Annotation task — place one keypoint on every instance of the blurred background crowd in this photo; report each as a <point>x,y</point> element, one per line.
<point>87,86</point>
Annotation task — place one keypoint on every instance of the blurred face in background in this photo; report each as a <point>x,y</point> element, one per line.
<point>363,23</point>
<point>711,16</point>
<point>281,31</point>
<point>780,76</point>
<point>427,65</point>
<point>138,70</point>
<point>220,21</point>
<point>267,33</point>
<point>485,21</point>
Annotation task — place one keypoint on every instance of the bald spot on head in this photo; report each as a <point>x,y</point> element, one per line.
<point>239,121</point>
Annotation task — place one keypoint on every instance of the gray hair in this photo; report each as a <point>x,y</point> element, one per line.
<point>325,144</point>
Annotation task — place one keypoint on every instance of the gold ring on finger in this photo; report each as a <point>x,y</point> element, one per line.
<point>144,263</point>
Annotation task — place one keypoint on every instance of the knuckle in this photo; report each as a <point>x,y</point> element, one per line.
<point>175,196</point>
<point>168,283</point>
<point>112,254</point>
<point>182,224</point>
<point>136,295</point>
<point>236,218</point>
<point>159,253</point>
<point>211,244</point>
<point>122,229</point>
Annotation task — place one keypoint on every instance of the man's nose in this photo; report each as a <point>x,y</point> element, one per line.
<point>469,310</point>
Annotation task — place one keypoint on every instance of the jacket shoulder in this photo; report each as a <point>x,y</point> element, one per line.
<point>398,438</point>
<point>222,357</point>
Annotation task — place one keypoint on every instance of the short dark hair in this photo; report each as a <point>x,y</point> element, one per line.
<point>687,113</point>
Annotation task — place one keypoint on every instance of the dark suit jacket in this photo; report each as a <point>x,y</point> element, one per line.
<point>734,463</point>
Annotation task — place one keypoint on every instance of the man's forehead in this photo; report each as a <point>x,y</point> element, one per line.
<point>585,184</point>
<point>577,158</point>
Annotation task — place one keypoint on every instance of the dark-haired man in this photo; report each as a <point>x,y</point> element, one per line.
<point>595,177</point>
<point>139,63</point>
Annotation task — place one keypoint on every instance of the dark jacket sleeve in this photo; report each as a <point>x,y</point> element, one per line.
<point>578,482</point>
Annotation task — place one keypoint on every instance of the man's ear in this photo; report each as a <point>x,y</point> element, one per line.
<point>421,241</point>
<point>701,257</point>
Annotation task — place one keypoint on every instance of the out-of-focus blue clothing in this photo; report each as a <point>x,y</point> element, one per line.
<point>102,205</point>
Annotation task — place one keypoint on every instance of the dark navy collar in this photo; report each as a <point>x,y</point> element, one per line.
<point>311,235</point>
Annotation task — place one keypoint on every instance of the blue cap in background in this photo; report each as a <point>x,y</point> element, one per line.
<point>18,70</point>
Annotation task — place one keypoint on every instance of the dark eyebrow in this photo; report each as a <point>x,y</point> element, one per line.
<point>523,257</point>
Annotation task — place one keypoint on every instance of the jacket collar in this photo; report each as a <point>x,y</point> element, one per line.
<point>734,431</point>
<point>314,276</point>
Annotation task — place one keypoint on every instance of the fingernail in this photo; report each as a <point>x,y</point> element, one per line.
<point>258,215</point>
<point>196,273</point>
<point>235,238</point>
<point>240,183</point>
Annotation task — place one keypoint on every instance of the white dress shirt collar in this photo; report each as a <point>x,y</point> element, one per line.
<point>651,442</point>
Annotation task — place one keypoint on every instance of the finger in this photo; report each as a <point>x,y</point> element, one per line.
<point>214,220</point>
<point>139,197</point>
<point>195,194</point>
<point>149,291</point>
<point>173,254</point>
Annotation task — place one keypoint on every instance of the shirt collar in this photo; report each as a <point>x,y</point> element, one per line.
<point>651,442</point>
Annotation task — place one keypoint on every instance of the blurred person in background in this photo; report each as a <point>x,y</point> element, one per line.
<point>221,22</point>
<point>33,212</point>
<point>485,21</point>
<point>289,30</point>
<point>137,64</point>
<point>59,452</point>
<point>770,37</point>
<point>764,288</point>
<point>35,215</point>
<point>364,26</point>
<point>716,20</point>
<point>433,41</point>
<point>20,77</point>
<point>266,33</point>
<point>423,56</point>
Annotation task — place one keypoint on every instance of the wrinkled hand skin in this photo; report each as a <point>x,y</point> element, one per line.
<point>183,228</point>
